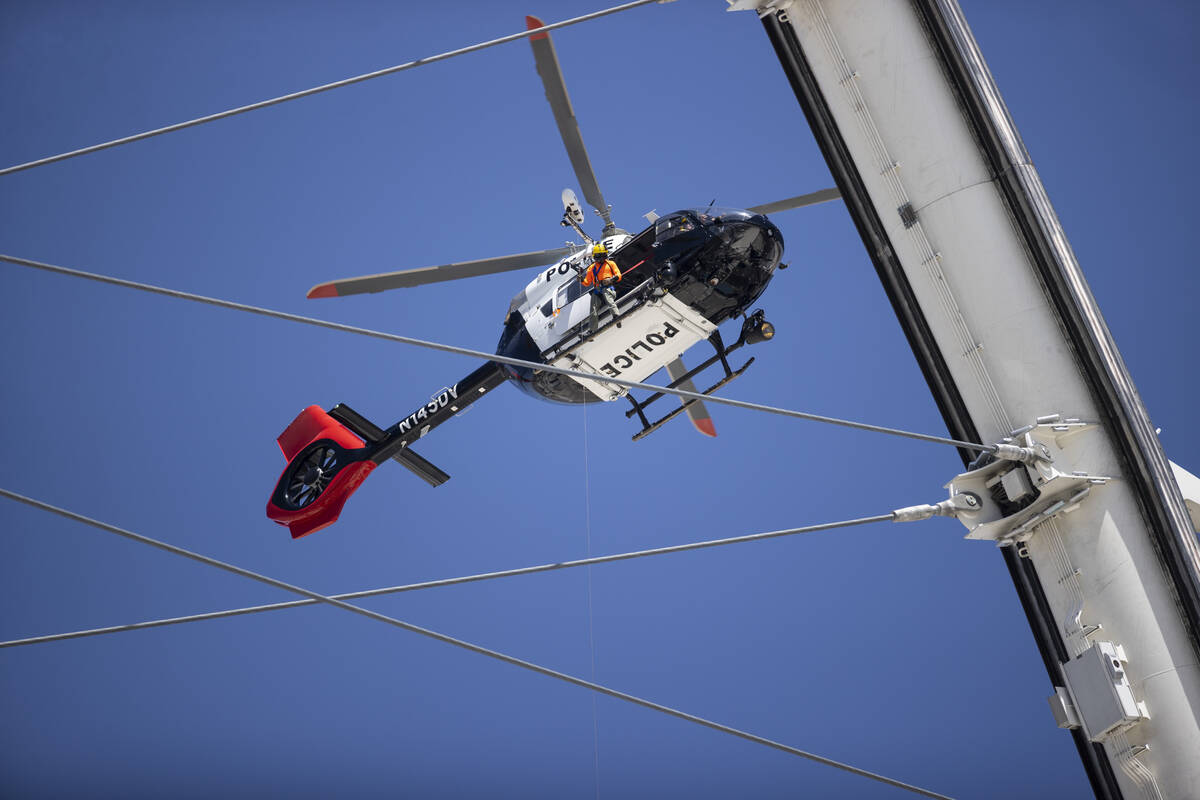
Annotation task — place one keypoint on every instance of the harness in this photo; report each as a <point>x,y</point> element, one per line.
<point>600,275</point>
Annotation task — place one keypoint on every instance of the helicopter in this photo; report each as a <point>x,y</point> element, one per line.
<point>682,277</point>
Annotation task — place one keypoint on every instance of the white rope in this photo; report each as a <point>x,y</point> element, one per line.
<point>446,348</point>
<point>420,62</point>
<point>587,528</point>
<point>474,648</point>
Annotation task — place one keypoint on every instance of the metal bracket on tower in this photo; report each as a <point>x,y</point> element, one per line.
<point>1021,484</point>
<point>761,7</point>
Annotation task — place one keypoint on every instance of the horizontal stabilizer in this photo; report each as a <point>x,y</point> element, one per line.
<point>371,432</point>
<point>421,468</point>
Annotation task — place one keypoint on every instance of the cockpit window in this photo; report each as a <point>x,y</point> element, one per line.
<point>672,226</point>
<point>568,293</point>
<point>722,214</point>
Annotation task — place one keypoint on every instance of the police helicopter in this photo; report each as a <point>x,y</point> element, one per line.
<point>682,277</point>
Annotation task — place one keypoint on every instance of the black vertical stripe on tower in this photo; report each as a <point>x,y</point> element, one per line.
<point>933,365</point>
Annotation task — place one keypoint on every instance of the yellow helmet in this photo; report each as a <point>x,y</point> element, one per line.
<point>599,251</point>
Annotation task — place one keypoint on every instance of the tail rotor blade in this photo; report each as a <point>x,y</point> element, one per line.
<point>564,115</point>
<point>697,412</point>
<point>446,272</point>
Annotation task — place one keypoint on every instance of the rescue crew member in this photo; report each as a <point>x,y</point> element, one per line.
<point>600,278</point>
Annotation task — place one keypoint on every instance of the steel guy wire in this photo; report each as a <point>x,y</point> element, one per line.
<point>420,62</point>
<point>434,584</point>
<point>441,637</point>
<point>446,348</point>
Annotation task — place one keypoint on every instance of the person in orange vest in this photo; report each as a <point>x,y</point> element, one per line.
<point>600,277</point>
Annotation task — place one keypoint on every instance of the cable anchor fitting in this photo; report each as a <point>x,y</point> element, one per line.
<point>1023,455</point>
<point>963,503</point>
<point>1030,476</point>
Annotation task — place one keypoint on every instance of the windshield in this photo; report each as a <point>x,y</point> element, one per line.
<point>672,226</point>
<point>715,213</point>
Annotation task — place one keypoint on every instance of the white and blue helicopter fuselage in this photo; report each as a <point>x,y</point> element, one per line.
<point>681,278</point>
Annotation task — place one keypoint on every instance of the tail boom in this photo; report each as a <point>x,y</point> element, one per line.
<point>331,454</point>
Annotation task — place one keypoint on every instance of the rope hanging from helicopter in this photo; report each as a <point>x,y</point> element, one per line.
<point>587,533</point>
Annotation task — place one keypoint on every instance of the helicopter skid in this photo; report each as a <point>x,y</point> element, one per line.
<point>651,427</point>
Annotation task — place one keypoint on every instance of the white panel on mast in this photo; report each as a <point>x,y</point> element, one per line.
<point>948,211</point>
<point>1189,486</point>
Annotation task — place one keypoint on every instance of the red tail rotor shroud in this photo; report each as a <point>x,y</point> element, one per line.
<point>313,425</point>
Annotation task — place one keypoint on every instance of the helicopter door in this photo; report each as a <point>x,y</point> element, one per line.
<point>568,310</point>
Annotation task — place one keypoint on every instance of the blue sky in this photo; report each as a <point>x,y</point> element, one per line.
<point>900,649</point>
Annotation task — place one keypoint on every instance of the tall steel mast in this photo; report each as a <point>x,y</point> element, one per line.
<point>1092,524</point>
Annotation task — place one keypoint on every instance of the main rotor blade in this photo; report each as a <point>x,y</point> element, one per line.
<point>697,412</point>
<point>446,272</point>
<point>564,115</point>
<point>799,201</point>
